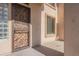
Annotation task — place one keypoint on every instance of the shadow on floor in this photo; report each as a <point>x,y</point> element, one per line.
<point>47,51</point>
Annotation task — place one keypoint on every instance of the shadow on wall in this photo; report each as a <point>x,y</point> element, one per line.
<point>47,51</point>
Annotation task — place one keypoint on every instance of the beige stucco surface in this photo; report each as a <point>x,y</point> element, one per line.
<point>60,19</point>
<point>38,19</point>
<point>46,10</point>
<point>36,24</point>
<point>72,29</point>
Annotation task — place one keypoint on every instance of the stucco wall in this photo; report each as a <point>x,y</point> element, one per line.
<point>36,24</point>
<point>38,19</point>
<point>60,18</point>
<point>72,29</point>
<point>51,12</point>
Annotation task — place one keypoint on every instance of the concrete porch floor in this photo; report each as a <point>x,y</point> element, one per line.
<point>26,52</point>
<point>56,45</point>
<point>54,48</point>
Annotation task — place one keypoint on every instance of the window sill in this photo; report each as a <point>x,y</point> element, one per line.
<point>50,35</point>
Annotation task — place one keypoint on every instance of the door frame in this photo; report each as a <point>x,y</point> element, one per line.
<point>11,23</point>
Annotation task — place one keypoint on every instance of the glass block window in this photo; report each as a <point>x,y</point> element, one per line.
<point>3,20</point>
<point>50,25</point>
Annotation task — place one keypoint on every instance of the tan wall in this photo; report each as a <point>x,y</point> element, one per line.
<point>51,12</point>
<point>72,29</point>
<point>38,19</point>
<point>60,18</point>
<point>36,24</point>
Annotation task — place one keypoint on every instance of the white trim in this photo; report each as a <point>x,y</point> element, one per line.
<point>53,34</point>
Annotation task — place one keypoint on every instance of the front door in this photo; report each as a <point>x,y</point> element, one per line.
<point>21,20</point>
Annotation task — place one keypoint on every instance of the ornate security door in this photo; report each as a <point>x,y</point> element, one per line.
<point>21,20</point>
